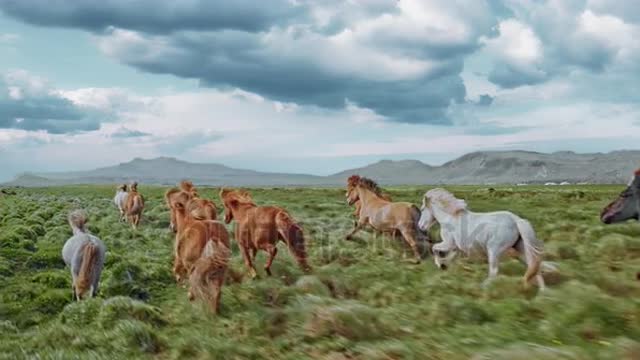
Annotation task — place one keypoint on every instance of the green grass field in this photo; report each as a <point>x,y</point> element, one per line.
<point>363,301</point>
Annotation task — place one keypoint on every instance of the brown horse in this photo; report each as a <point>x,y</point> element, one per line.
<point>260,228</point>
<point>191,238</point>
<point>134,205</point>
<point>355,180</point>
<point>387,216</point>
<point>352,182</point>
<point>208,273</point>
<point>201,209</point>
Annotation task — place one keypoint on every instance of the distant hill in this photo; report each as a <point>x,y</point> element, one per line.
<point>486,167</point>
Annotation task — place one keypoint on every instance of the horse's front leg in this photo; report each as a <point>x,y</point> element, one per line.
<point>361,224</point>
<point>493,257</point>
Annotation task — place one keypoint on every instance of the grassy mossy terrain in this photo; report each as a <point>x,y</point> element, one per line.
<point>362,301</point>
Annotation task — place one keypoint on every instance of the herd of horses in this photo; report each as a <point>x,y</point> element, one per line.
<point>202,248</point>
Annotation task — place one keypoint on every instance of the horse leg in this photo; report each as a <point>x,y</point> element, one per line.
<point>217,291</point>
<point>493,266</point>
<point>410,238</point>
<point>272,250</point>
<point>361,224</point>
<point>248,261</point>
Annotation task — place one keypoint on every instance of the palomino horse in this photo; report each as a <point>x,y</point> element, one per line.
<point>134,205</point>
<point>121,199</point>
<point>208,273</point>
<point>201,209</point>
<point>626,206</point>
<point>191,238</point>
<point>355,180</point>
<point>387,216</point>
<point>260,228</point>
<point>84,254</point>
<point>467,231</point>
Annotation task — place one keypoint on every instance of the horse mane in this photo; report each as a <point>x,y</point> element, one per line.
<point>134,186</point>
<point>371,185</point>
<point>241,196</point>
<point>353,180</point>
<point>446,201</point>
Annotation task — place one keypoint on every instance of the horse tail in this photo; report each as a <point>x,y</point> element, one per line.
<point>533,249</point>
<point>293,235</point>
<point>78,220</point>
<point>207,277</point>
<point>85,274</point>
<point>137,205</point>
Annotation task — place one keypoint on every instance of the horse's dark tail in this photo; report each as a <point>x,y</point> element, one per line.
<point>208,274</point>
<point>84,281</point>
<point>293,235</point>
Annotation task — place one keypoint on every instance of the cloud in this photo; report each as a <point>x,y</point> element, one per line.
<point>9,38</point>
<point>548,39</point>
<point>400,59</point>
<point>29,103</point>
<point>128,133</point>
<point>153,16</point>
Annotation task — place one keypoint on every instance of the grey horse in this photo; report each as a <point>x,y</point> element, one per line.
<point>626,206</point>
<point>84,254</point>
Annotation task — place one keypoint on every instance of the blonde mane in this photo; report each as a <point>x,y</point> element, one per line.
<point>446,201</point>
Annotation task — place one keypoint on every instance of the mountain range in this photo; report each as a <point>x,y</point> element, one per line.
<point>486,167</point>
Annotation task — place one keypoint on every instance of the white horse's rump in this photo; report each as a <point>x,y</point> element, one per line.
<point>492,233</point>
<point>121,199</point>
<point>84,254</point>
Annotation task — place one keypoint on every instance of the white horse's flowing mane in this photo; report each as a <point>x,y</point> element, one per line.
<point>446,201</point>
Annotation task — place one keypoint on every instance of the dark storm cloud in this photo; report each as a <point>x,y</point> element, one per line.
<point>154,16</point>
<point>239,44</point>
<point>53,114</point>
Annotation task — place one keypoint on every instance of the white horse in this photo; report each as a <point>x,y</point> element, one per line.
<point>121,199</point>
<point>493,233</point>
<point>84,254</point>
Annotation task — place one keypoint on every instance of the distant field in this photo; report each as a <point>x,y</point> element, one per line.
<point>362,301</point>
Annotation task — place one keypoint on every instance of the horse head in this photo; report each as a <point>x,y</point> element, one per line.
<point>626,206</point>
<point>353,195</point>
<point>426,215</point>
<point>231,199</point>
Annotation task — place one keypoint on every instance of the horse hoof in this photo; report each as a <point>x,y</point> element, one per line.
<point>348,237</point>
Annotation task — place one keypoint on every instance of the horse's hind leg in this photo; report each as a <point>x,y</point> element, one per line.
<point>272,250</point>
<point>410,238</point>
<point>217,291</point>
<point>248,261</point>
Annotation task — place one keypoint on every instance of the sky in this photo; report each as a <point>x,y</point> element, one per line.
<point>312,86</point>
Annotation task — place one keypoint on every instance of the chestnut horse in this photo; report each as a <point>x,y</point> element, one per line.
<point>201,209</point>
<point>387,216</point>
<point>191,238</point>
<point>134,205</point>
<point>208,273</point>
<point>260,228</point>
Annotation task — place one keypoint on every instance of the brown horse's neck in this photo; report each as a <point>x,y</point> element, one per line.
<point>368,197</point>
<point>181,220</point>
<point>241,209</point>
